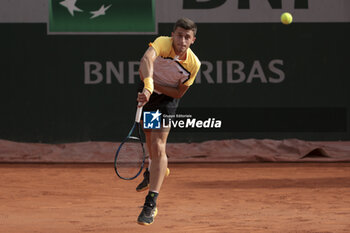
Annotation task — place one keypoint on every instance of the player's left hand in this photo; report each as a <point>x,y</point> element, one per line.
<point>181,88</point>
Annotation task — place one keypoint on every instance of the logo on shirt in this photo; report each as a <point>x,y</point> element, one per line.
<point>151,120</point>
<point>101,16</point>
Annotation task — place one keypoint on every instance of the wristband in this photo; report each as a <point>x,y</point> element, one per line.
<point>148,84</point>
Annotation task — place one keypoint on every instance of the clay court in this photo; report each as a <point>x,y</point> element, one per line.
<point>259,143</point>
<point>196,197</point>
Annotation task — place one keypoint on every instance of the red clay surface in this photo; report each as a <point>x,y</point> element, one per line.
<point>195,198</point>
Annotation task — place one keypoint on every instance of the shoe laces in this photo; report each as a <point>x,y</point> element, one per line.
<point>148,208</point>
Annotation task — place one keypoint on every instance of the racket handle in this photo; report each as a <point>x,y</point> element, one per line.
<point>138,114</point>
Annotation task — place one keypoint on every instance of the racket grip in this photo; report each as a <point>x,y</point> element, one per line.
<point>138,113</point>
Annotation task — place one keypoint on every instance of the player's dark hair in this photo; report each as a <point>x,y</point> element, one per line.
<point>186,24</point>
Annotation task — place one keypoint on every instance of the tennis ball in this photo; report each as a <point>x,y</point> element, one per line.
<point>286,18</point>
<point>167,172</point>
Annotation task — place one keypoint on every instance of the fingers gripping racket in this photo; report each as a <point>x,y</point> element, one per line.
<point>130,156</point>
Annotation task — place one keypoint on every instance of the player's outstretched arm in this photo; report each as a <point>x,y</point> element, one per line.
<point>146,73</point>
<point>146,64</point>
<point>175,92</point>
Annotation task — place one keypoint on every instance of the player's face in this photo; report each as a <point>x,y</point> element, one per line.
<point>182,39</point>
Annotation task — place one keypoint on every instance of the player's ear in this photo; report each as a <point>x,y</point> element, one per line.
<point>194,39</point>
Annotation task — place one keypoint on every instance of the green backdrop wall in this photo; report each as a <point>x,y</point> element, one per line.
<point>263,80</point>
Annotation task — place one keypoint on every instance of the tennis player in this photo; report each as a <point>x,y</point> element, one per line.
<point>168,68</point>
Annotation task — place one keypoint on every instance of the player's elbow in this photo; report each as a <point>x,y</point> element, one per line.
<point>180,94</point>
<point>177,96</point>
<point>181,90</point>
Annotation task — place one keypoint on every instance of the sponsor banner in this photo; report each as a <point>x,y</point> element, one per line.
<point>202,11</point>
<point>92,16</point>
<point>256,11</point>
<point>212,72</point>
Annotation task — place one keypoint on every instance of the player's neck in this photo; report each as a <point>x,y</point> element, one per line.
<point>181,55</point>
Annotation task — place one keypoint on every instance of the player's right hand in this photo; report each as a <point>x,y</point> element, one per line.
<point>143,97</point>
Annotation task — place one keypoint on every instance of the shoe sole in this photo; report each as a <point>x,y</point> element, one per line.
<point>143,189</point>
<point>146,223</point>
<point>147,187</point>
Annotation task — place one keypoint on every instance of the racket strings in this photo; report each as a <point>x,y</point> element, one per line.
<point>130,158</point>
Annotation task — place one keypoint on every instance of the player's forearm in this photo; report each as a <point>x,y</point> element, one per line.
<point>174,92</point>
<point>146,67</point>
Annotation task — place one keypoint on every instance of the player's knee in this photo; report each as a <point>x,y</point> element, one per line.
<point>158,148</point>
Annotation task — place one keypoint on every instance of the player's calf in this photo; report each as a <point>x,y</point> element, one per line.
<point>144,185</point>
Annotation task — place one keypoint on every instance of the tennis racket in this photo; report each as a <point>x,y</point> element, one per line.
<point>130,156</point>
